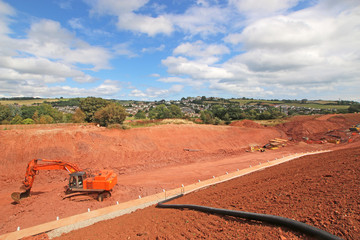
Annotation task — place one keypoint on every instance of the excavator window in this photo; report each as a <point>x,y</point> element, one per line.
<point>80,181</point>
<point>77,180</point>
<point>73,181</point>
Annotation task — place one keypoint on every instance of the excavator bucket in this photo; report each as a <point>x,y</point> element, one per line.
<point>17,196</point>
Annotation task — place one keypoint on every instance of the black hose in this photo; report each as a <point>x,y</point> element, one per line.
<point>290,223</point>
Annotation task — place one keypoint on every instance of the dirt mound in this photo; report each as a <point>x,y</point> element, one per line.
<point>313,195</point>
<point>316,127</point>
<point>100,147</point>
<point>145,159</point>
<point>246,123</point>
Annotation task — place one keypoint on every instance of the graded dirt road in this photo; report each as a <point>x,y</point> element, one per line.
<point>146,160</point>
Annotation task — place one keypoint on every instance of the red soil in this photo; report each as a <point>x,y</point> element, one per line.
<point>315,127</point>
<point>327,198</point>
<point>146,160</point>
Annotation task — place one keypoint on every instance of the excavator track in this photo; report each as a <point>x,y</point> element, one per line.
<point>86,196</point>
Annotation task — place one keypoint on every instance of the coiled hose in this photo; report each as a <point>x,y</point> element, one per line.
<point>277,220</point>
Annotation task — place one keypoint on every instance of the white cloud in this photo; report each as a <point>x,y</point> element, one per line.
<point>137,93</point>
<point>5,11</point>
<point>153,49</point>
<point>285,32</point>
<point>48,54</point>
<point>242,47</point>
<point>290,54</point>
<point>262,8</point>
<point>194,69</point>
<point>184,81</point>
<point>269,60</point>
<point>202,20</point>
<point>64,4</point>
<point>124,49</point>
<point>313,51</point>
<point>48,39</point>
<point>155,93</point>
<point>75,23</point>
<point>114,7</point>
<point>7,75</point>
<point>144,24</point>
<point>156,75</point>
<point>128,20</point>
<point>18,87</point>
<point>79,25</point>
<point>251,89</point>
<point>39,66</point>
<point>206,53</point>
<point>108,88</point>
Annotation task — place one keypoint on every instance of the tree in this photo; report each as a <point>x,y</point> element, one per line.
<point>46,119</point>
<point>218,111</point>
<point>207,117</point>
<point>175,111</point>
<point>79,116</point>
<point>160,112</point>
<point>47,109</point>
<point>5,113</point>
<point>28,111</point>
<point>140,115</point>
<point>227,118</point>
<point>35,117</point>
<point>67,118</point>
<point>276,113</point>
<point>265,115</point>
<point>16,120</point>
<point>111,114</point>
<point>90,105</point>
<point>235,112</point>
<point>354,108</point>
<point>27,121</point>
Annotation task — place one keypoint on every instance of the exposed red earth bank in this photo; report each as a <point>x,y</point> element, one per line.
<point>320,190</point>
<point>146,160</point>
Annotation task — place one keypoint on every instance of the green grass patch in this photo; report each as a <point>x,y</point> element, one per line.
<point>271,122</point>
<point>155,122</point>
<point>319,106</point>
<point>30,101</point>
<point>142,123</point>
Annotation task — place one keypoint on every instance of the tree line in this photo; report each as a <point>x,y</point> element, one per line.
<point>214,115</point>
<point>108,112</point>
<point>218,113</point>
<point>91,109</point>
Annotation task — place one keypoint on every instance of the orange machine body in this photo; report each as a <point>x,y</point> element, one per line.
<point>104,180</point>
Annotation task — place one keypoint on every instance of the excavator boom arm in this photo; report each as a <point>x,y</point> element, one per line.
<point>44,164</point>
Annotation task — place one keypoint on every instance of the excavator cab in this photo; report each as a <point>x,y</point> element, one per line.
<point>76,180</point>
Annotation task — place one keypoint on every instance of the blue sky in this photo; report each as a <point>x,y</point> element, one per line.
<point>153,50</point>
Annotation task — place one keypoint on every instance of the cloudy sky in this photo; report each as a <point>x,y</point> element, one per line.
<point>168,49</point>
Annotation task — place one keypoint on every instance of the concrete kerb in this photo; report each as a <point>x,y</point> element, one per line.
<point>65,225</point>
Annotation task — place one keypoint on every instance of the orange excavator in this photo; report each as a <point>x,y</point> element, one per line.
<point>80,182</point>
